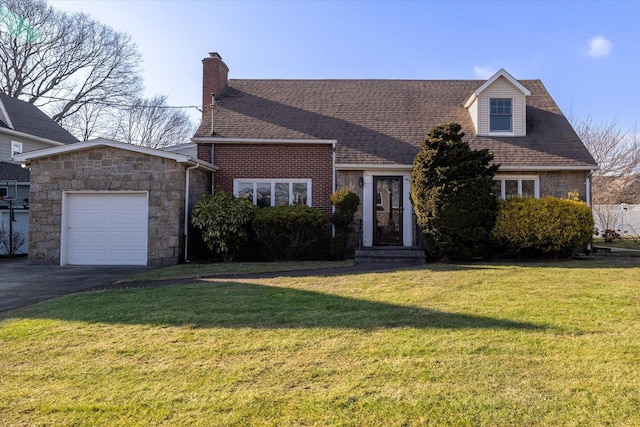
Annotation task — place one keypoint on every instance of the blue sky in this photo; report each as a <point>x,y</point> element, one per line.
<point>587,53</point>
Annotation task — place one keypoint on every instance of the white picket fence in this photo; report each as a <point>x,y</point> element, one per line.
<point>20,225</point>
<point>624,219</point>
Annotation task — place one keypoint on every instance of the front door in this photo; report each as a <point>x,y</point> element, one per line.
<point>387,210</point>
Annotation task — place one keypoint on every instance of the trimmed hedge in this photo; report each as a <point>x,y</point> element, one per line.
<point>288,232</point>
<point>543,227</point>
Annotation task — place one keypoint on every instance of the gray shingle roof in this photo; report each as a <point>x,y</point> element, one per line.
<point>27,118</point>
<point>385,121</point>
<point>12,171</point>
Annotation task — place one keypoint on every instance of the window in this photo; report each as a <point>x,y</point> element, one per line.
<point>500,116</point>
<point>274,192</point>
<point>16,148</point>
<point>4,192</point>
<point>507,187</point>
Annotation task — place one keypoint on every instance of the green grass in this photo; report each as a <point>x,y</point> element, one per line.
<point>186,271</point>
<point>502,344</point>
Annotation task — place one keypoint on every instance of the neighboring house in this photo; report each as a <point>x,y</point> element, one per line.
<point>23,128</point>
<point>275,139</point>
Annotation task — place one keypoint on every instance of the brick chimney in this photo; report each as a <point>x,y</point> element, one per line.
<point>215,79</point>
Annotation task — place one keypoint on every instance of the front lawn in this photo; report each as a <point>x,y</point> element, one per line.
<point>495,344</point>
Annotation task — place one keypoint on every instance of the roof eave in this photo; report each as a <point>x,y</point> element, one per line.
<point>46,152</point>
<point>260,141</point>
<point>34,138</point>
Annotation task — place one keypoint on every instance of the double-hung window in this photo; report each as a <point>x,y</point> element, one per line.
<point>507,187</point>
<point>274,192</point>
<point>500,115</point>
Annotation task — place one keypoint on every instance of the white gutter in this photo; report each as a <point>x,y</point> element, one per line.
<point>219,140</point>
<point>365,166</point>
<point>33,138</point>
<point>546,168</point>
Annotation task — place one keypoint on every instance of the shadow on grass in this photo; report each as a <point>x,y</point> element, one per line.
<point>249,305</point>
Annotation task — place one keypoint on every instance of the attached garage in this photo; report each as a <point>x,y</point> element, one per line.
<point>105,228</point>
<point>109,203</point>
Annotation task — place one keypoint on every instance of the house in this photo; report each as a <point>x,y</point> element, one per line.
<point>280,142</point>
<point>269,136</point>
<point>23,128</point>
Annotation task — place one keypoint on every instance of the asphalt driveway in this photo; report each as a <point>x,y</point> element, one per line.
<point>23,284</point>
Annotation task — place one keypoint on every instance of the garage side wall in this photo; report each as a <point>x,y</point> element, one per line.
<point>107,169</point>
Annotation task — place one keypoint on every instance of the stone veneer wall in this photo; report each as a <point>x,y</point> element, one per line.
<point>110,169</point>
<point>559,184</point>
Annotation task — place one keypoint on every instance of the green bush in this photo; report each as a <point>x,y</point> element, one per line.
<point>288,232</point>
<point>543,227</point>
<point>224,222</point>
<point>452,195</point>
<point>346,205</point>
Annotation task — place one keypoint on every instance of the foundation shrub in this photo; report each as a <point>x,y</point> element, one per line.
<point>224,222</point>
<point>288,232</point>
<point>548,227</point>
<point>346,204</point>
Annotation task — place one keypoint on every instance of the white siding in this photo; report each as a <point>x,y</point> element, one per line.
<point>27,145</point>
<point>501,88</point>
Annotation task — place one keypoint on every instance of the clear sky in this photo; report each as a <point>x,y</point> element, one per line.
<point>587,53</point>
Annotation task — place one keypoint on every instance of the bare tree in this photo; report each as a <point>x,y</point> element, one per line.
<point>64,61</point>
<point>151,123</point>
<point>618,155</point>
<point>92,121</point>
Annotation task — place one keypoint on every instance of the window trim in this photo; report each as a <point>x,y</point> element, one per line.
<point>273,182</point>
<point>501,132</point>
<point>16,148</point>
<point>519,178</point>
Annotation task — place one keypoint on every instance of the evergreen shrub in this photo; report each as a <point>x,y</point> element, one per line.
<point>288,232</point>
<point>452,195</point>
<point>346,205</point>
<point>224,222</point>
<point>549,227</point>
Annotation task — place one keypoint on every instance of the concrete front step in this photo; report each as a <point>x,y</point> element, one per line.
<point>389,254</point>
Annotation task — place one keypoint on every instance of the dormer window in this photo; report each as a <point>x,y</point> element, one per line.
<point>500,115</point>
<point>499,107</point>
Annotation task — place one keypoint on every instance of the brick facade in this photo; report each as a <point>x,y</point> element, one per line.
<point>112,169</point>
<point>276,161</point>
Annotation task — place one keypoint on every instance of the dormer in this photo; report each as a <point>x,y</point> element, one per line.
<point>499,107</point>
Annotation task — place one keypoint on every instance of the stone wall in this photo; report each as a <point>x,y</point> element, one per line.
<point>110,169</point>
<point>561,183</point>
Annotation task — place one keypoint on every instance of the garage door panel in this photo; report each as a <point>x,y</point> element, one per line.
<point>88,256</point>
<point>124,257</point>
<point>125,237</point>
<point>106,228</point>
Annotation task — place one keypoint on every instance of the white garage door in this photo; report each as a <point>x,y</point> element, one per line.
<point>106,229</point>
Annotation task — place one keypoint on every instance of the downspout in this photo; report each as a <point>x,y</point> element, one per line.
<point>186,211</point>
<point>588,188</point>
<point>333,181</point>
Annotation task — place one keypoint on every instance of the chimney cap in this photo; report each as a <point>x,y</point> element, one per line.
<point>215,55</point>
